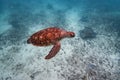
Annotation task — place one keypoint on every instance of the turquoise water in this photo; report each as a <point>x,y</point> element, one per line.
<point>93,54</point>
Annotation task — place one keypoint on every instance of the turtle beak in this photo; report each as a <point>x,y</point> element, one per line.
<point>71,34</point>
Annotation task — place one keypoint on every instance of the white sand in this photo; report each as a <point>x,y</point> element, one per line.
<point>26,62</point>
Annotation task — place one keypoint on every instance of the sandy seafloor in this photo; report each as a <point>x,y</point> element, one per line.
<point>78,59</point>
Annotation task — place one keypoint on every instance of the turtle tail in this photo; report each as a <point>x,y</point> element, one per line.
<point>29,41</point>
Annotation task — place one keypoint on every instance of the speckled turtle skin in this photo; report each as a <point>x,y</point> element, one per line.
<point>50,36</point>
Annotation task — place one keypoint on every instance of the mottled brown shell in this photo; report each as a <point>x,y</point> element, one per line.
<point>47,36</point>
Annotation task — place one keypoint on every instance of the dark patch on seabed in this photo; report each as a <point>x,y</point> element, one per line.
<point>94,54</point>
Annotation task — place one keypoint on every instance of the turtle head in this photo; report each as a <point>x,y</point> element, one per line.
<point>67,34</point>
<point>70,34</point>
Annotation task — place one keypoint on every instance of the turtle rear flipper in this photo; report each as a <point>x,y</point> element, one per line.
<point>54,50</point>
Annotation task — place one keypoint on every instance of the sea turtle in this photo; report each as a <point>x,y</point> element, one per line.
<point>50,36</point>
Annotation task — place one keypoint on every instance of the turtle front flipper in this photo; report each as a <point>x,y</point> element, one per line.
<point>54,50</point>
